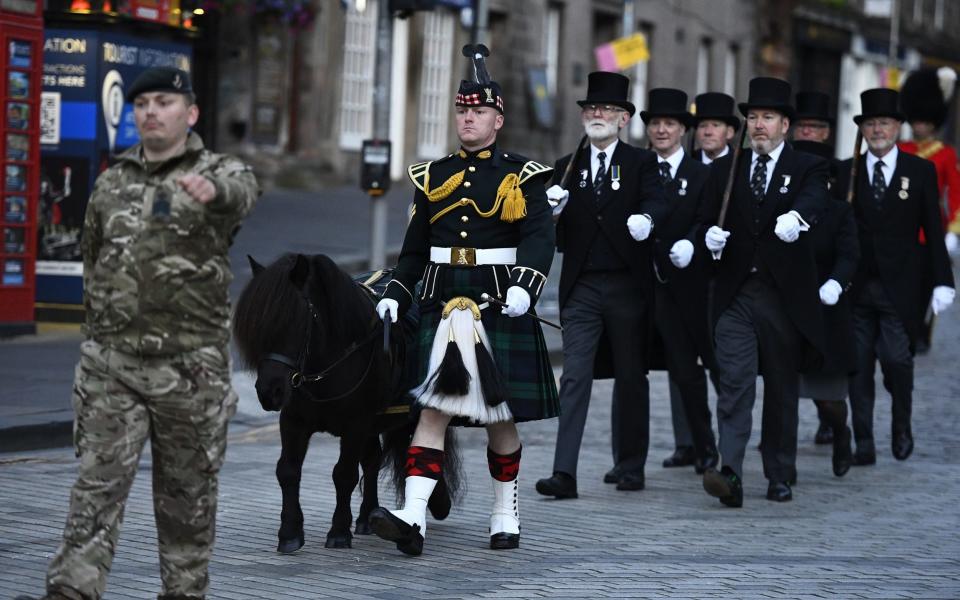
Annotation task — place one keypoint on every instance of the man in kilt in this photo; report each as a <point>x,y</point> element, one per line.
<point>481,224</point>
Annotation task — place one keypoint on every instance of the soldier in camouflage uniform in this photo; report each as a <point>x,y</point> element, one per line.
<point>155,364</point>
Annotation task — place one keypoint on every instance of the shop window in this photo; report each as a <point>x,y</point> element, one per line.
<point>359,64</point>
<point>435,84</point>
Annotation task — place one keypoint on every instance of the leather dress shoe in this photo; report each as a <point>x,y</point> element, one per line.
<point>559,485</point>
<point>902,445</point>
<point>824,434</point>
<point>725,485</point>
<point>504,541</point>
<point>779,491</point>
<point>709,461</point>
<point>842,452</point>
<point>48,596</point>
<point>631,481</point>
<point>392,528</point>
<point>684,456</point>
<point>613,475</point>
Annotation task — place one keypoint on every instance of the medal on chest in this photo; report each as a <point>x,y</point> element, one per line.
<point>584,173</point>
<point>786,185</point>
<point>682,182</point>
<point>904,186</point>
<point>615,177</point>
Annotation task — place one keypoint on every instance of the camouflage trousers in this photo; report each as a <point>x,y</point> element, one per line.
<point>180,403</point>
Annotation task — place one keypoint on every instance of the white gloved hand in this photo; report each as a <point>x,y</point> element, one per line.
<point>639,226</point>
<point>716,239</point>
<point>557,198</point>
<point>681,254</point>
<point>942,298</point>
<point>787,228</point>
<point>830,292</point>
<point>952,242</point>
<point>388,305</point>
<point>518,302</point>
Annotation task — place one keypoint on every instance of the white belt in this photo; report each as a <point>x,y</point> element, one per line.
<point>473,256</point>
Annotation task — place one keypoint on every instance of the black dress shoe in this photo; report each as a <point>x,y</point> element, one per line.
<point>824,434</point>
<point>504,541</point>
<point>709,461</point>
<point>388,526</point>
<point>902,445</point>
<point>842,452</point>
<point>779,491</point>
<point>684,456</point>
<point>863,459</point>
<point>725,485</point>
<point>559,485</point>
<point>631,481</point>
<point>613,475</point>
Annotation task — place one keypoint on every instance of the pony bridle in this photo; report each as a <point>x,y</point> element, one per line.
<point>298,378</point>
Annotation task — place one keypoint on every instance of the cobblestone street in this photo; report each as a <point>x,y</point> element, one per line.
<point>888,531</point>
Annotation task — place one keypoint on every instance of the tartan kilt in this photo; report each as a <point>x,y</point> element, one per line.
<point>516,343</point>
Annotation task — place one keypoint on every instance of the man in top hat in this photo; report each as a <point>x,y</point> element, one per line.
<point>481,224</point>
<point>156,363</point>
<point>716,125</point>
<point>612,203</point>
<point>896,199</point>
<point>811,129</point>
<point>924,101</point>
<point>764,310</point>
<point>680,290</point>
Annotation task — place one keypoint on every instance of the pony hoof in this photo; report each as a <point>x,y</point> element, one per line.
<point>363,528</point>
<point>290,546</point>
<point>339,541</point>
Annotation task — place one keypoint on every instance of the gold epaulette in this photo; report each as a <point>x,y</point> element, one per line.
<point>928,150</point>
<point>418,174</point>
<point>532,169</point>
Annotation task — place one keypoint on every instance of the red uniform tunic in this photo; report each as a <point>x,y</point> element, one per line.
<point>944,157</point>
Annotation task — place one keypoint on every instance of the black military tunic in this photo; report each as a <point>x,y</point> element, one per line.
<point>471,201</point>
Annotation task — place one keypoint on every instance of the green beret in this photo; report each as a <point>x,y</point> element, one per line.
<point>160,79</point>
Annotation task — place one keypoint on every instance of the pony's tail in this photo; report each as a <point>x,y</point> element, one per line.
<point>395,444</point>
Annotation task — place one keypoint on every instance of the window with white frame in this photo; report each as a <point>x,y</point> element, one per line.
<point>938,15</point>
<point>730,70</point>
<point>359,65</point>
<point>638,87</point>
<point>703,66</point>
<point>551,48</point>
<point>435,83</point>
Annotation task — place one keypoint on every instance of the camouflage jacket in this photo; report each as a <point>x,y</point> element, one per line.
<point>155,263</point>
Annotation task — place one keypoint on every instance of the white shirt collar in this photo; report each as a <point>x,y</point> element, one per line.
<point>595,162</point>
<point>771,164</point>
<point>707,160</point>
<point>673,160</point>
<point>889,163</point>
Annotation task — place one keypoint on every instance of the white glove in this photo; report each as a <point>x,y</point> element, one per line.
<point>518,302</point>
<point>952,242</point>
<point>942,298</point>
<point>681,253</point>
<point>557,197</point>
<point>716,239</point>
<point>787,228</point>
<point>388,305</point>
<point>830,292</point>
<point>639,226</point>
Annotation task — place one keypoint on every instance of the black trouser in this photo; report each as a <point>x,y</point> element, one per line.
<point>611,303</point>
<point>680,350</point>
<point>754,335</point>
<point>880,334</point>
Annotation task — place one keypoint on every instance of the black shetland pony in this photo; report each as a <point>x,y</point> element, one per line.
<point>313,337</point>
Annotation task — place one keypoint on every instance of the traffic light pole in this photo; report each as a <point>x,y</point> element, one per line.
<point>381,130</point>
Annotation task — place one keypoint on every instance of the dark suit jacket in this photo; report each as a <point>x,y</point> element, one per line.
<point>890,236</point>
<point>837,253</point>
<point>687,287</point>
<point>583,219</point>
<point>790,265</point>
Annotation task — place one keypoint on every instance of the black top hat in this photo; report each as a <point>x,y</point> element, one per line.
<point>667,102</point>
<point>814,106</point>
<point>716,106</point>
<point>768,92</point>
<point>480,94</point>
<point>160,79</point>
<point>879,102</point>
<point>608,88</point>
<point>922,98</point>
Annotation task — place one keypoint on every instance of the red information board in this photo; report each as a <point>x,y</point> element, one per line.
<point>21,51</point>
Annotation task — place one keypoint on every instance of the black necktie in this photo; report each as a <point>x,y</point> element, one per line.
<point>601,172</point>
<point>665,172</point>
<point>879,183</point>
<point>758,183</point>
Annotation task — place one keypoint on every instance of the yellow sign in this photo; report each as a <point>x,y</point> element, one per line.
<point>628,51</point>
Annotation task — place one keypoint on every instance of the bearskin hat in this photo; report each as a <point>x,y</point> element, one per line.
<point>926,94</point>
